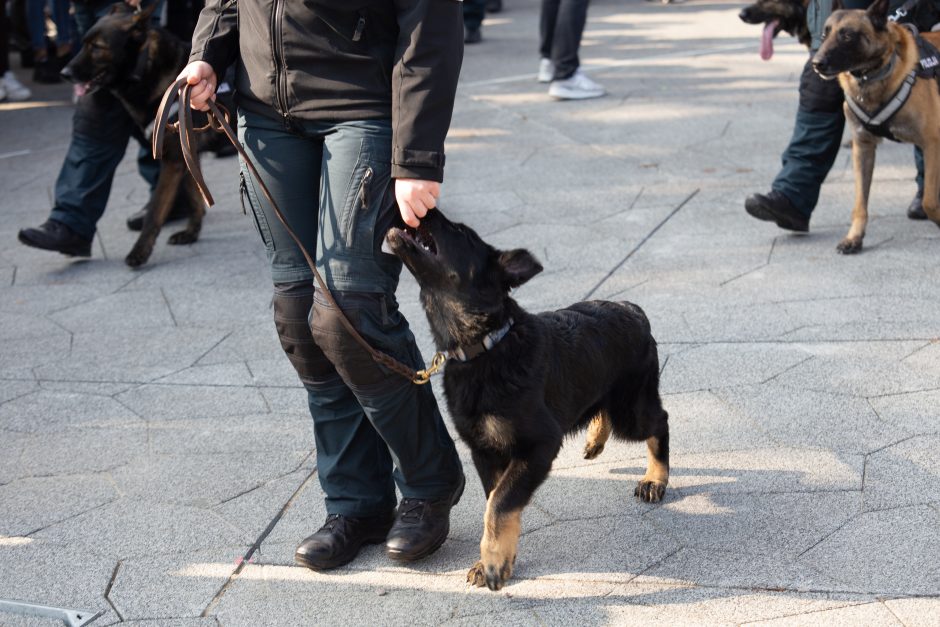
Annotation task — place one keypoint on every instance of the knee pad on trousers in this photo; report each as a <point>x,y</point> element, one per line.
<point>292,304</point>
<point>383,329</point>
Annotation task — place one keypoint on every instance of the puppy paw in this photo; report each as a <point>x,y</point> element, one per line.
<point>476,576</point>
<point>650,491</point>
<point>497,575</point>
<point>849,246</point>
<point>137,257</point>
<point>182,238</point>
<point>592,450</point>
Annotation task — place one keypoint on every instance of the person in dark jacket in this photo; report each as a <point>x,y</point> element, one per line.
<point>343,105</point>
<point>817,131</point>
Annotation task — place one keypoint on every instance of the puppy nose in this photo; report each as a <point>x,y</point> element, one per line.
<point>745,13</point>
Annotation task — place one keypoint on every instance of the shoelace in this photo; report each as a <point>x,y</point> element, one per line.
<point>411,510</point>
<point>331,521</point>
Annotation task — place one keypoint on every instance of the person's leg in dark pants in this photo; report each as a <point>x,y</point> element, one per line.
<point>561,25</point>
<point>915,211</point>
<point>473,13</point>
<point>817,135</point>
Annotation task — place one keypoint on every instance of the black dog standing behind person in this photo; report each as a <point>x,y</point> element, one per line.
<point>517,383</point>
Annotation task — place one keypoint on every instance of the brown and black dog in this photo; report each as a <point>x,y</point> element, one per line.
<point>872,57</point>
<point>777,15</point>
<point>517,383</point>
<point>135,61</point>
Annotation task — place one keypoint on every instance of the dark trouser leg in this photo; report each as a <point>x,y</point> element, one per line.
<point>919,162</point>
<point>473,13</point>
<point>352,461</point>
<point>817,134</point>
<point>4,39</point>
<point>560,25</point>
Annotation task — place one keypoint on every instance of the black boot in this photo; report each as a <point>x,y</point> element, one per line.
<point>915,210</point>
<point>421,526</point>
<point>339,539</point>
<point>775,207</point>
<point>52,235</point>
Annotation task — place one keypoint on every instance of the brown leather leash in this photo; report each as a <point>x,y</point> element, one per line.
<point>219,122</point>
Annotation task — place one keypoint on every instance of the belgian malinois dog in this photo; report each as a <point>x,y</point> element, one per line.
<point>872,58</point>
<point>136,62</point>
<point>777,15</point>
<point>517,383</point>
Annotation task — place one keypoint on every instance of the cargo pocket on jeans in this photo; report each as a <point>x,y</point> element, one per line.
<point>246,192</point>
<point>363,204</point>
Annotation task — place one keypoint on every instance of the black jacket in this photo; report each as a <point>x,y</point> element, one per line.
<point>342,60</point>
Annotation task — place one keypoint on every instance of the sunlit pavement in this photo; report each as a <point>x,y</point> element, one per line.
<point>155,449</point>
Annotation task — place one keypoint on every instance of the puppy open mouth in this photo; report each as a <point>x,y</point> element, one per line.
<point>419,239</point>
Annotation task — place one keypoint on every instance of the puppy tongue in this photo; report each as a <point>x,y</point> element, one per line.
<point>767,40</point>
<point>80,89</point>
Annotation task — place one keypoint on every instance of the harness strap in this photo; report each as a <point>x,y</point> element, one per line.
<point>219,121</point>
<point>873,122</point>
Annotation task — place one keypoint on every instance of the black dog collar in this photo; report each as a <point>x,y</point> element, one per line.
<point>466,353</point>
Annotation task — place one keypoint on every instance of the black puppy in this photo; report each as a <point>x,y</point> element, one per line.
<point>517,383</point>
<point>136,62</point>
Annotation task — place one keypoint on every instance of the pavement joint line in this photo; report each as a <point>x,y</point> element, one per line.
<point>70,517</point>
<point>643,241</point>
<point>257,543</point>
<point>786,370</point>
<point>108,588</point>
<point>600,67</point>
<point>890,611</point>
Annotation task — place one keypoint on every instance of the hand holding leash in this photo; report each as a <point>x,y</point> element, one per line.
<point>203,82</point>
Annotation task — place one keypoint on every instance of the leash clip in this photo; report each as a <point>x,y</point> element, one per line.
<point>423,376</point>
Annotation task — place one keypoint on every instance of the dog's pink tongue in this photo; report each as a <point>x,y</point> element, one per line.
<point>767,40</point>
<point>80,89</point>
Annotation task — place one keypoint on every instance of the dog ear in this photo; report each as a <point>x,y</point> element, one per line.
<point>837,5</point>
<point>878,14</point>
<point>142,17</point>
<point>518,266</point>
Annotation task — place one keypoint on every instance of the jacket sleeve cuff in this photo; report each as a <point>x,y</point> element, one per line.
<point>427,165</point>
<point>218,64</point>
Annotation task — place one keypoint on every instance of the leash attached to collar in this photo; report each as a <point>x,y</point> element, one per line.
<point>219,122</point>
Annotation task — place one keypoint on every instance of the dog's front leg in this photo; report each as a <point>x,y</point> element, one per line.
<point>863,162</point>
<point>190,234</point>
<point>502,520</point>
<point>158,208</point>
<point>931,200</point>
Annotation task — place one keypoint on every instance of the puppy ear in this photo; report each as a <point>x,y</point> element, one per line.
<point>518,266</point>
<point>878,14</point>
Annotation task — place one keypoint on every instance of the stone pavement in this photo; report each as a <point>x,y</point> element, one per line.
<point>156,459</point>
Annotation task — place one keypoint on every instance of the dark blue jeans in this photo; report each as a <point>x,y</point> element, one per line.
<point>101,129</point>
<point>561,24</point>
<point>374,429</point>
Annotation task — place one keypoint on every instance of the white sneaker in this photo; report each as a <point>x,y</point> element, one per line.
<point>546,71</point>
<point>14,90</point>
<point>576,87</point>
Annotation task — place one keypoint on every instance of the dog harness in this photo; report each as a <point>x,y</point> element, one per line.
<point>929,68</point>
<point>466,353</point>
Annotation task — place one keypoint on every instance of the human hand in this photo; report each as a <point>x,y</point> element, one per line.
<point>133,3</point>
<point>201,76</point>
<point>415,198</point>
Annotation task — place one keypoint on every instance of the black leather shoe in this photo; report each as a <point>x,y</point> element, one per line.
<point>472,36</point>
<point>179,211</point>
<point>52,235</point>
<point>775,207</point>
<point>339,539</point>
<point>421,526</point>
<point>915,210</point>
<point>494,6</point>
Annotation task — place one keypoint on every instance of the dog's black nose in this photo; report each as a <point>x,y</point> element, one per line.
<point>820,65</point>
<point>745,13</point>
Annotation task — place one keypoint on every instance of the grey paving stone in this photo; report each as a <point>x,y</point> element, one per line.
<point>45,412</point>
<point>30,504</point>
<point>214,374</point>
<point>925,612</point>
<point>15,389</point>
<point>213,306</point>
<point>885,552</point>
<point>172,402</point>
<point>202,480</point>
<point>874,614</point>
<point>171,586</point>
<point>799,417</point>
<point>914,412</point>
<point>705,422</point>
<point>48,573</point>
<point>723,365</point>
<point>88,450</point>
<point>277,433</point>
<point>904,474</point>
<point>137,310</point>
<point>140,528</point>
<point>255,509</point>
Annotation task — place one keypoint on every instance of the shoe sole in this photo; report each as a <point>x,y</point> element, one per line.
<point>400,556</point>
<point>577,96</point>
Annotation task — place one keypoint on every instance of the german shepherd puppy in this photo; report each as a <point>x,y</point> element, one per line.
<point>777,15</point>
<point>124,54</point>
<point>518,383</point>
<point>859,44</point>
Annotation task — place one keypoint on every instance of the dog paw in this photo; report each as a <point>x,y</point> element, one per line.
<point>592,450</point>
<point>475,576</point>
<point>497,575</point>
<point>182,238</point>
<point>849,246</point>
<point>650,491</point>
<point>137,257</point>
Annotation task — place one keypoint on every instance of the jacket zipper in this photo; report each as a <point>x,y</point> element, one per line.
<point>280,94</point>
<point>360,26</point>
